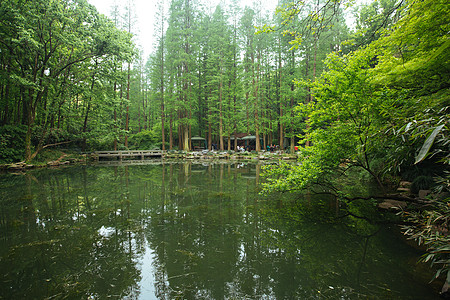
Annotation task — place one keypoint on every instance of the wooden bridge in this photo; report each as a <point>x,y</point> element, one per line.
<point>142,154</point>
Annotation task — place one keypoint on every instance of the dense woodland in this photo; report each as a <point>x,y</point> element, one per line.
<point>71,75</point>
<point>373,98</point>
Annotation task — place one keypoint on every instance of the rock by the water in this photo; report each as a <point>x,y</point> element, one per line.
<point>405,184</point>
<point>423,194</point>
<point>19,166</point>
<point>392,204</point>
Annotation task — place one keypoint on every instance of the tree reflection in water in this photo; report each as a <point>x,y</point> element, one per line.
<point>187,231</point>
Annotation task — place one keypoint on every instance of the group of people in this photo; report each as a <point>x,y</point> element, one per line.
<point>240,148</point>
<point>272,148</point>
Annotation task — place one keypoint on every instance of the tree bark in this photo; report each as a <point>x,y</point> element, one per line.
<point>128,105</point>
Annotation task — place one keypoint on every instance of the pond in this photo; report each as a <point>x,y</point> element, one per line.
<point>185,231</point>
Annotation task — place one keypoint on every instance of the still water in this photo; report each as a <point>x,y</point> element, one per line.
<point>186,231</point>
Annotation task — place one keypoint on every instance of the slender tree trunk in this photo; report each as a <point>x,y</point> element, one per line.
<point>128,105</point>
<point>115,129</point>
<point>292,141</point>
<point>221,146</point>
<point>281,135</point>
<point>171,133</point>
<point>308,143</point>
<point>247,112</point>
<point>235,139</point>
<point>209,130</point>
<point>180,137</point>
<point>190,131</point>
<point>308,96</point>
<point>264,141</point>
<point>163,138</point>
<point>281,124</point>
<point>6,94</point>
<point>89,106</point>
<point>258,143</point>
<point>30,107</point>
<point>139,118</point>
<point>138,105</point>
<point>115,110</point>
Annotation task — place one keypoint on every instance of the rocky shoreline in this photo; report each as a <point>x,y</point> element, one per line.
<point>231,155</point>
<point>65,159</point>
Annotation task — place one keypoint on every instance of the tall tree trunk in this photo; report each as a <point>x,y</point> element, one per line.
<point>308,143</point>
<point>163,138</point>
<point>6,94</point>
<point>171,133</point>
<point>89,106</point>
<point>221,146</point>
<point>281,134</point>
<point>115,129</point>
<point>128,105</point>
<point>308,90</point>
<point>209,130</point>
<point>115,109</point>
<point>139,118</point>
<point>30,107</point>
<point>190,132</point>
<point>83,147</point>
<point>186,138</point>
<point>180,137</point>
<point>258,143</point>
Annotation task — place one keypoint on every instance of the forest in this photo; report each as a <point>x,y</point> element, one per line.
<point>373,98</point>
<point>71,75</point>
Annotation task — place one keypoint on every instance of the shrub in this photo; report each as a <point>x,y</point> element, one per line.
<point>12,143</point>
<point>146,139</point>
<point>422,183</point>
<point>104,142</point>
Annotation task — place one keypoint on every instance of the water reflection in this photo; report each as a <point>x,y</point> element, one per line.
<point>184,231</point>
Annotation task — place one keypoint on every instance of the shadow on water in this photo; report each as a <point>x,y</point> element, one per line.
<point>187,231</point>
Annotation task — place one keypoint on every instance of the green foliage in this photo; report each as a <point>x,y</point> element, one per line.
<point>343,124</point>
<point>364,101</point>
<point>421,144</point>
<point>12,143</point>
<point>373,20</point>
<point>287,177</point>
<point>424,151</point>
<point>431,230</point>
<point>419,64</point>
<point>384,108</point>
<point>103,142</point>
<point>422,183</point>
<point>47,155</point>
<point>61,55</point>
<point>51,136</point>
<point>144,140</point>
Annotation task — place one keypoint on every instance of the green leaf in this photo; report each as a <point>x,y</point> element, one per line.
<point>428,143</point>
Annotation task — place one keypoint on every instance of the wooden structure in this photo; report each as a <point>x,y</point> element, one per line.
<point>142,154</point>
<point>198,143</point>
